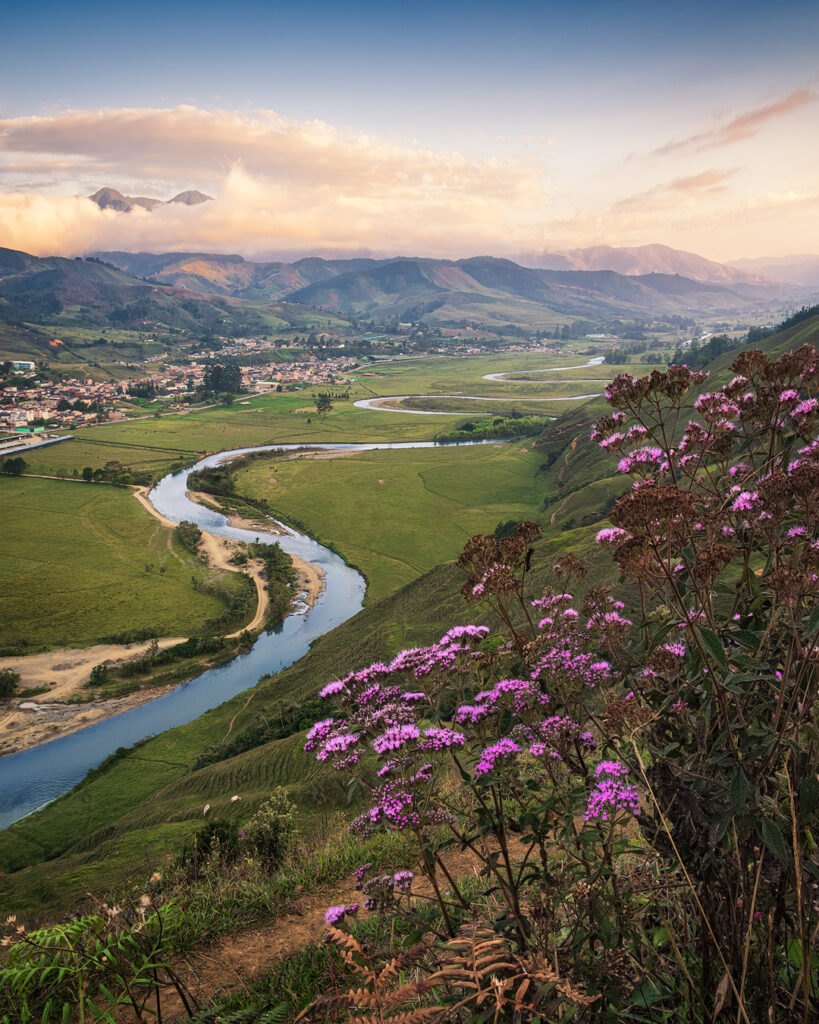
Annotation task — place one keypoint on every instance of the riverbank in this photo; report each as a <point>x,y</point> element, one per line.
<point>63,674</point>
<point>311,579</point>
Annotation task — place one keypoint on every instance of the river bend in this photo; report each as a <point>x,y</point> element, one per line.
<point>32,778</point>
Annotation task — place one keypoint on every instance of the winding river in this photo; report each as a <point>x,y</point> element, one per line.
<point>377,404</point>
<point>32,778</point>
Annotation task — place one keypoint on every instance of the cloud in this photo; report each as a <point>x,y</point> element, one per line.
<point>744,126</point>
<point>286,188</point>
<point>278,184</point>
<point>688,187</point>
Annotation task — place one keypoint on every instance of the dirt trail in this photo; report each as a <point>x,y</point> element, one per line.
<point>219,551</point>
<point>235,961</point>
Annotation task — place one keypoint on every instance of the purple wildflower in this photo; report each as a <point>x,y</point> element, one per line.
<point>501,750</point>
<point>610,794</point>
<point>332,915</point>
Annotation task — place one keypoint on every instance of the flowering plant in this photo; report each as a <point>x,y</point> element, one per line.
<point>636,777</point>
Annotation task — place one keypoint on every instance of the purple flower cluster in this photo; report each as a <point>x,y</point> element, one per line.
<point>332,915</point>
<point>403,880</point>
<point>612,535</point>
<point>395,737</point>
<point>643,459</point>
<point>610,793</point>
<point>515,695</point>
<point>500,751</point>
<point>442,739</point>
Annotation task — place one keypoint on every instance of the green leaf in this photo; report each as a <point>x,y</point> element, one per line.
<point>739,790</point>
<point>711,642</point>
<point>809,798</point>
<point>813,621</point>
<point>774,840</point>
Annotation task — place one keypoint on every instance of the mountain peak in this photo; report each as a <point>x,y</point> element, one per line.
<point>112,199</point>
<point>191,198</point>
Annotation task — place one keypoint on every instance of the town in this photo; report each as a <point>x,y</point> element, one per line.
<point>30,400</point>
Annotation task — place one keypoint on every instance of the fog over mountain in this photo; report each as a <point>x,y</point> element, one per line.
<point>800,271</point>
<point>111,199</point>
<point>647,259</point>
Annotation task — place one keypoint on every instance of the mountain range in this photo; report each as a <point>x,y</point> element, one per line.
<point>798,271</point>
<point>648,259</point>
<point>485,289</point>
<point>111,199</point>
<point>206,293</point>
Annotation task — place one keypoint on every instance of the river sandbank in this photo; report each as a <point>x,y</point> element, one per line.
<point>25,722</point>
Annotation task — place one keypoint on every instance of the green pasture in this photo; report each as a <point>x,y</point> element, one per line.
<point>73,567</point>
<point>396,514</point>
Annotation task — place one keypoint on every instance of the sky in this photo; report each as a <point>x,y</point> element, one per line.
<point>441,129</point>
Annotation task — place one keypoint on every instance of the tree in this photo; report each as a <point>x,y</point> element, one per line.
<point>15,466</point>
<point>8,682</point>
<point>324,403</point>
<point>223,377</point>
<point>88,474</point>
<point>99,675</point>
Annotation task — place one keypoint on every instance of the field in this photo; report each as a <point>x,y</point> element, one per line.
<point>129,816</point>
<point>156,444</point>
<point>396,514</point>
<point>74,567</point>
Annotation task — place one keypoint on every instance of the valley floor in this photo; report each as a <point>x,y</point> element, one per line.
<point>67,705</point>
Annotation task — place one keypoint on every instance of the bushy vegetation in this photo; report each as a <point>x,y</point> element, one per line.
<point>280,576</point>
<point>8,682</point>
<point>642,796</point>
<point>515,425</point>
<point>189,536</point>
<point>119,959</point>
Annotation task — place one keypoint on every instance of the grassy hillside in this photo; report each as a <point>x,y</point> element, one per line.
<point>133,811</point>
<point>103,314</point>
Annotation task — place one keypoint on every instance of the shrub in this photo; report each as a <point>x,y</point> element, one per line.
<point>189,535</point>
<point>99,675</point>
<point>639,787</point>
<point>271,831</point>
<point>8,682</point>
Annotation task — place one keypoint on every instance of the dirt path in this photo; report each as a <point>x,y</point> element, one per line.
<point>236,961</point>
<point>219,551</point>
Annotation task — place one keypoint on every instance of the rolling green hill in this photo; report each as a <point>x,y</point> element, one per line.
<point>486,289</point>
<point>77,300</point>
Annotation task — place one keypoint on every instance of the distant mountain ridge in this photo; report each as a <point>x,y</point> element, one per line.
<point>647,259</point>
<point>800,271</point>
<point>484,289</point>
<point>111,199</point>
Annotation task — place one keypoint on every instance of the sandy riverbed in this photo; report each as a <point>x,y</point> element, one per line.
<point>27,722</point>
